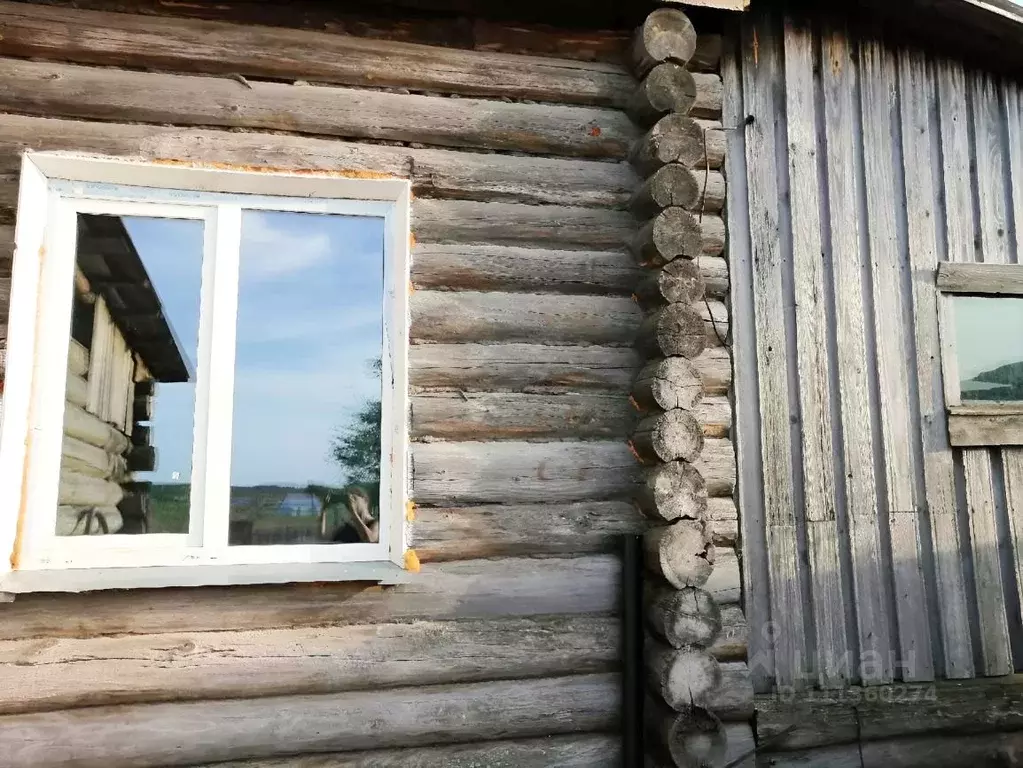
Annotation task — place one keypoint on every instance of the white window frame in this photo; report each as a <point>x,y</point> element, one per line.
<point>55,188</point>
<point>975,424</point>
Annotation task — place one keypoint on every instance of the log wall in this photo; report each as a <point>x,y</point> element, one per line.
<point>504,648</point>
<point>873,551</point>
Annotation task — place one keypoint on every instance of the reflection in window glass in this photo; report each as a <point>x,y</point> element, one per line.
<point>127,448</point>
<point>989,348</point>
<point>305,464</point>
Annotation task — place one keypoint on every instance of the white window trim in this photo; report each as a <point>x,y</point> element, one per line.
<point>55,186</point>
<point>975,424</point>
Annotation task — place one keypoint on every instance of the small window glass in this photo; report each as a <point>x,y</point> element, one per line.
<point>989,348</point>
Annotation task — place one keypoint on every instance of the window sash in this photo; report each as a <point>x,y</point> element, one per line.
<point>219,205</point>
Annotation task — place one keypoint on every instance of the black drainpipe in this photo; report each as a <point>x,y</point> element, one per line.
<point>632,651</point>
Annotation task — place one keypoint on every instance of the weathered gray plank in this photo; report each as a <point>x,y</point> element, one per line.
<point>443,316</point>
<point>443,173</point>
<point>980,427</point>
<point>839,76</point>
<point>532,367</point>
<point>812,351</point>
<point>986,278</point>
<point>596,751</point>
<point>208,47</point>
<point>65,90</point>
<point>1014,130</point>
<point>458,590</point>
<point>53,674</point>
<point>878,83</point>
<point>188,733</point>
<point>462,221</point>
<point>761,71</point>
<point>922,190</point>
<point>956,151</point>
<point>511,472</point>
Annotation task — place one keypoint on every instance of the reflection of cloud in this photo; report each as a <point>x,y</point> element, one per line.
<point>271,252</point>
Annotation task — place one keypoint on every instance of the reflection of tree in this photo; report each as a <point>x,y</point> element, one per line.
<point>356,446</point>
<point>1007,381</point>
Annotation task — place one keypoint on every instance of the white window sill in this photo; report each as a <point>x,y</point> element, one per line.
<point>89,579</point>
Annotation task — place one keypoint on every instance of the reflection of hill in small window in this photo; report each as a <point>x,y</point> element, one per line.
<point>1001,384</point>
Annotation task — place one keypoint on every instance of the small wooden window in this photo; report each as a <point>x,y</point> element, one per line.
<point>982,352</point>
<point>206,377</point>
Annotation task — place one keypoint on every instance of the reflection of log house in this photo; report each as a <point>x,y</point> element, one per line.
<point>121,345</point>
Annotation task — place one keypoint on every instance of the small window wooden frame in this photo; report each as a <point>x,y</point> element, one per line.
<point>975,424</point>
<point>55,187</point>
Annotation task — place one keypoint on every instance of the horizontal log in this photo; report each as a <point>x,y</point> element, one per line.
<point>680,677</point>
<point>725,582</point>
<point>681,553</point>
<point>528,367</point>
<point>78,490</point>
<point>668,734</point>
<point>667,88</point>
<point>676,185</point>
<point>678,282</point>
<point>450,474</point>
<point>78,357</point>
<point>461,221</point>
<point>86,521</point>
<point>715,415</point>
<point>733,700</point>
<point>679,139</point>
<point>715,276</point>
<point>64,673</point>
<point>666,34</point>
<point>675,330</point>
<point>723,518</point>
<point>732,643</point>
<point>506,268</point>
<point>473,589</point>
<point>77,391</point>
<point>142,458</point>
<point>715,368</point>
<point>85,459</point>
<point>207,47</point>
<point>84,426</point>
<point>67,90</point>
<point>682,618</point>
<point>668,383</point>
<point>509,416</point>
<point>499,530</point>
<point>674,233</point>
<point>673,491</point>
<point>193,732</point>
<point>439,173</point>
<point>596,751</point>
<point>717,465</point>
<point>443,316</point>
<point>669,436</point>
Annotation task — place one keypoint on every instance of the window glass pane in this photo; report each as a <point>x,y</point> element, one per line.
<point>126,461</point>
<point>305,464</point>
<point>989,348</point>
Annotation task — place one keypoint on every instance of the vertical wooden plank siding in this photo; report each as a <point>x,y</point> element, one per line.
<point>878,102</point>
<point>839,85</point>
<point>761,71</point>
<point>917,91</point>
<point>980,493</point>
<point>811,343</point>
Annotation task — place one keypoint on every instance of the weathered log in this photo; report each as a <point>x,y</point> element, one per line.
<point>195,732</point>
<point>715,275</point>
<point>80,457</point>
<point>81,424</point>
<point>710,93</point>
<point>208,47</point>
<point>733,699</point>
<point>141,434</point>
<point>676,232</point>
<point>673,491</point>
<point>723,518</point>
<point>676,185</point>
<point>678,281</point>
<point>681,553</point>
<point>715,367</point>
<point>77,359</point>
<point>731,745</point>
<point>679,139</point>
<point>448,316</point>
<point>465,221</point>
<point>535,367</point>
<point>77,521</point>
<point>725,581</point>
<point>83,491</point>
<point>732,643</point>
<point>451,474</point>
<point>142,408</point>
<point>500,530</point>
<point>441,173</point>
<point>142,458</point>
<point>512,268</point>
<point>715,416</point>
<point>667,88</point>
<point>682,618</point>
<point>717,465</point>
<point>668,383</point>
<point>669,436</point>
<point>666,34</point>
<point>674,330</point>
<point>585,751</point>
<point>77,391</point>
<point>128,669</point>
<point>67,90</point>
<point>669,732</point>
<point>682,678</point>
<point>504,416</point>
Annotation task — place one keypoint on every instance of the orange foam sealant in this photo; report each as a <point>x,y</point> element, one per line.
<point>412,561</point>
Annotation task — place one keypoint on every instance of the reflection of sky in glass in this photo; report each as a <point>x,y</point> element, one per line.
<point>989,335</point>
<point>310,319</point>
<point>171,252</point>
